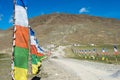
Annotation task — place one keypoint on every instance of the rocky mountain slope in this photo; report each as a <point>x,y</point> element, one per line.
<point>69,29</point>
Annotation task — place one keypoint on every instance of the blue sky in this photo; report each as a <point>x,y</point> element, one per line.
<point>102,8</point>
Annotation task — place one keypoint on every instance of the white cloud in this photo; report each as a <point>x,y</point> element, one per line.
<point>1,16</point>
<point>83,10</point>
<point>11,19</point>
<point>58,12</point>
<point>42,13</point>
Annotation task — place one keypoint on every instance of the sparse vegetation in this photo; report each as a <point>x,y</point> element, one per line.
<point>5,69</point>
<point>87,53</point>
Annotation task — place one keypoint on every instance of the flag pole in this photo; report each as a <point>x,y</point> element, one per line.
<point>29,42</point>
<point>13,43</point>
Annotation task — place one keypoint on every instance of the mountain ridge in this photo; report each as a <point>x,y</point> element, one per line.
<point>70,29</point>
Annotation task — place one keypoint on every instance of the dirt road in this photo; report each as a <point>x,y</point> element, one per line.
<point>53,71</point>
<point>70,69</point>
<point>89,70</point>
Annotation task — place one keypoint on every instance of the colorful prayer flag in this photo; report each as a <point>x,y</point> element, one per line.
<point>20,42</point>
<point>36,53</point>
<point>115,50</point>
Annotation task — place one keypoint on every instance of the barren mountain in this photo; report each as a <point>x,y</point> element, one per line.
<point>69,29</point>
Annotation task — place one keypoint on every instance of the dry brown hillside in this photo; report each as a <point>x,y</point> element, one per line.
<point>69,29</point>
